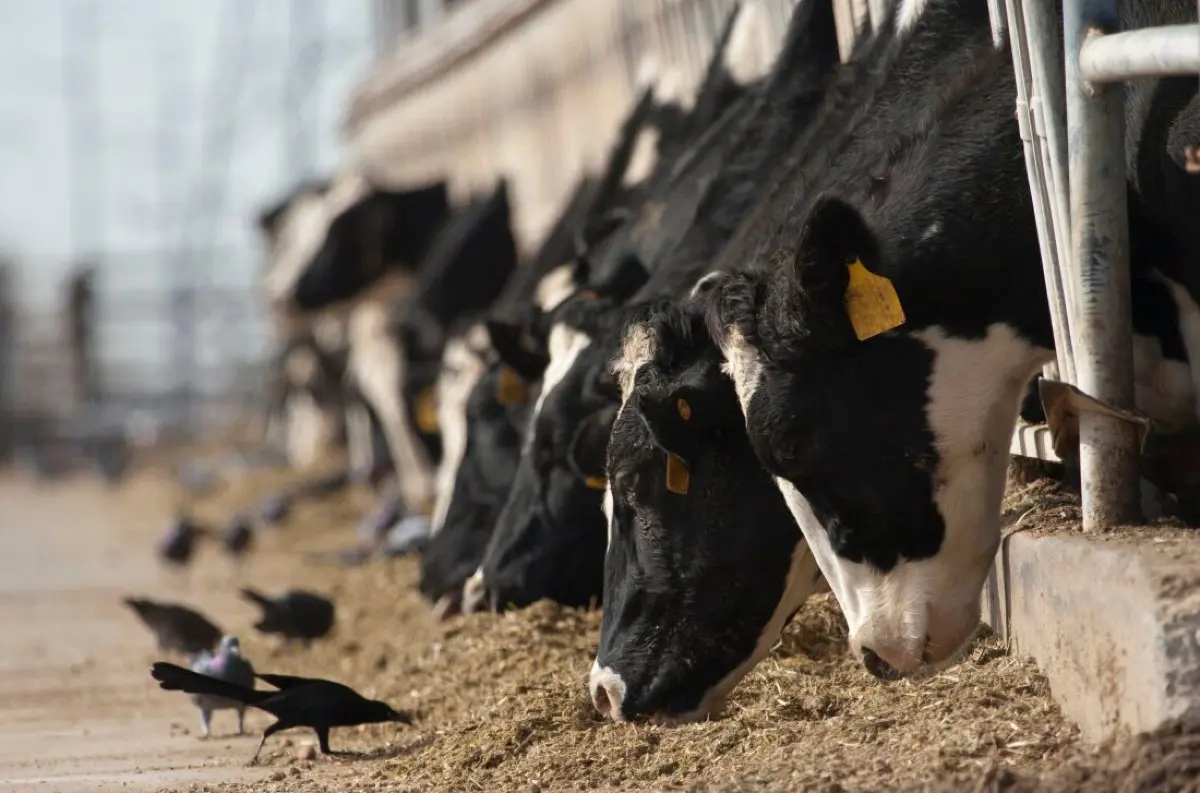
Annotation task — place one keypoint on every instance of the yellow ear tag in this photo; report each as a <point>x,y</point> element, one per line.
<point>678,475</point>
<point>871,302</point>
<point>510,389</point>
<point>596,482</point>
<point>426,411</point>
<point>685,410</point>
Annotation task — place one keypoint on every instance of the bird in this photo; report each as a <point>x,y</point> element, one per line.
<point>177,628</point>
<point>238,536</point>
<point>228,665</point>
<point>374,526</point>
<point>299,702</point>
<point>296,614</point>
<point>179,544</point>
<point>275,508</point>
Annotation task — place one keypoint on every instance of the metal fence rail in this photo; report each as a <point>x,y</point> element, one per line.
<point>1075,154</point>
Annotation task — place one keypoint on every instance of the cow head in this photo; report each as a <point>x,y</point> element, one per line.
<point>889,439</point>
<point>494,417</point>
<point>333,246</point>
<point>705,565</point>
<point>549,539</point>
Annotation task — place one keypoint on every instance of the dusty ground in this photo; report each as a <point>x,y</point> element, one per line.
<point>501,699</point>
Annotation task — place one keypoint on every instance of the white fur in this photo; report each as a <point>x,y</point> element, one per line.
<point>909,14</point>
<point>474,591</point>
<point>377,364</point>
<point>607,506</point>
<point>461,369</point>
<point>613,685</point>
<point>302,230</point>
<point>554,287</point>
<point>565,343</point>
<point>745,58</point>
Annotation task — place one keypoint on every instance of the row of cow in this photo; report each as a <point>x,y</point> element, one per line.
<point>788,357</point>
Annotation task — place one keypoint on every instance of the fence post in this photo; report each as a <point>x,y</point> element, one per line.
<point>1108,454</point>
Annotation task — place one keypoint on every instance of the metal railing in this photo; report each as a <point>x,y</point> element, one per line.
<point>1072,116</point>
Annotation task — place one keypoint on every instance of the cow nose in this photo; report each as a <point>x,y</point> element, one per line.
<point>608,692</point>
<point>877,666</point>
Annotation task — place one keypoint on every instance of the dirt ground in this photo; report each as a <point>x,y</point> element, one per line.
<point>500,699</point>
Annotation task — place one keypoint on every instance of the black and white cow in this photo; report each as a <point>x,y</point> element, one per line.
<point>550,538</point>
<point>889,448</point>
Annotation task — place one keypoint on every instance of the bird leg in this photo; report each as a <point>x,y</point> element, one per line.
<point>206,723</point>
<point>267,733</point>
<point>241,721</point>
<point>323,739</point>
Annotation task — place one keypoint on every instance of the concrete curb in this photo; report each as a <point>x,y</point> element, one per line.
<point>1114,623</point>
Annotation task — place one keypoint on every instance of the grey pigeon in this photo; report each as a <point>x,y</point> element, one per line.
<point>177,628</point>
<point>295,614</point>
<point>373,528</point>
<point>407,536</point>
<point>228,665</point>
<point>275,508</point>
<point>238,537</point>
<point>179,544</point>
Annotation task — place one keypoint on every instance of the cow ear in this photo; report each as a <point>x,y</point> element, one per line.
<point>838,266</point>
<point>674,421</point>
<point>512,345</point>
<point>588,452</point>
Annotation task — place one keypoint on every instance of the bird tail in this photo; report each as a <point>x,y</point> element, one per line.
<point>142,606</point>
<point>176,678</point>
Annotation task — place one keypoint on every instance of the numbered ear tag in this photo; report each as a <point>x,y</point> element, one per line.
<point>678,475</point>
<point>596,482</point>
<point>511,389</point>
<point>426,411</point>
<point>685,410</point>
<point>871,302</point>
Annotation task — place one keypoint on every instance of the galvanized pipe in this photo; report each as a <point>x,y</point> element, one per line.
<point>1152,52</point>
<point>1108,453</point>
<point>1041,189</point>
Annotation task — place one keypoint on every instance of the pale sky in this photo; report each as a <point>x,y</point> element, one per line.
<point>148,50</point>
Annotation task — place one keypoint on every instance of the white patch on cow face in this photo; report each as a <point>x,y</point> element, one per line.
<point>611,685</point>
<point>554,287</point>
<point>909,14</point>
<point>607,506</point>
<point>644,156</point>
<point>932,230</point>
<point>377,365</point>
<point>473,592</point>
<point>565,345</point>
<point>639,346</point>
<point>745,57</point>
<point>461,370</point>
<point>302,231</point>
<point>742,365</point>
<point>1189,328</point>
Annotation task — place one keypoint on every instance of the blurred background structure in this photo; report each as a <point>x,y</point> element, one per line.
<point>141,139</point>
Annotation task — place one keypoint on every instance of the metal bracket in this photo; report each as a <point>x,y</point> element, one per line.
<point>1064,403</point>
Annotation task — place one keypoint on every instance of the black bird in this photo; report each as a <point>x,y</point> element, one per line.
<point>299,702</point>
<point>238,536</point>
<point>275,508</point>
<point>179,544</point>
<point>177,628</point>
<point>295,614</point>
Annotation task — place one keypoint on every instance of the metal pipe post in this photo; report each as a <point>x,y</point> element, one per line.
<point>1153,52</point>
<point>1108,453</point>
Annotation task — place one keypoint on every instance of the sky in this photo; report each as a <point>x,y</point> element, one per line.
<point>167,73</point>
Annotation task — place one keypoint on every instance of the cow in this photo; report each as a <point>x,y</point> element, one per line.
<point>888,440</point>
<point>490,373</point>
<point>549,541</point>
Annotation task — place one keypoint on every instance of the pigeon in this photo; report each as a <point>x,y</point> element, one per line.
<point>407,536</point>
<point>238,537</point>
<point>275,508</point>
<point>299,702</point>
<point>177,547</point>
<point>177,628</point>
<point>229,665</point>
<point>374,527</point>
<point>296,614</point>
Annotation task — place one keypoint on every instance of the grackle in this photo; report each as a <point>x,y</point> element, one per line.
<point>176,627</point>
<point>296,614</point>
<point>299,702</point>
